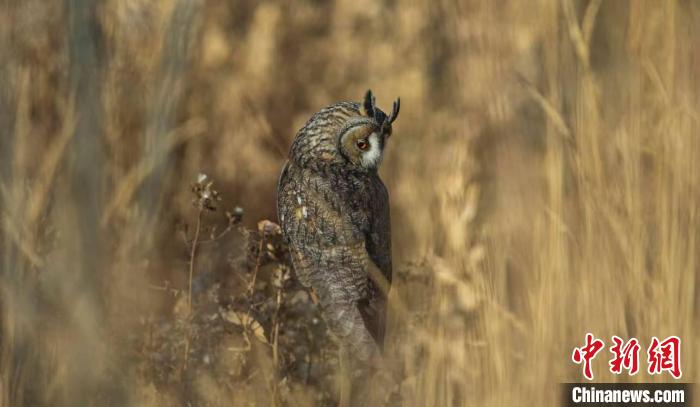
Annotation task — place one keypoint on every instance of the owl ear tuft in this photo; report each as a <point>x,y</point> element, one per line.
<point>394,114</point>
<point>368,105</point>
<point>395,110</point>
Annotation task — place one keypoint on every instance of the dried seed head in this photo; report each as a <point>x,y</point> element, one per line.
<point>205,194</point>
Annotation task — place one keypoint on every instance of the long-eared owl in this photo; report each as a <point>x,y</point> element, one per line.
<point>334,212</point>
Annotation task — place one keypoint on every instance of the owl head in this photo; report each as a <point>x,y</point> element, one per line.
<point>347,135</point>
<point>362,138</point>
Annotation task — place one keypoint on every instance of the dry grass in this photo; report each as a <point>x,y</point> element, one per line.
<point>543,176</point>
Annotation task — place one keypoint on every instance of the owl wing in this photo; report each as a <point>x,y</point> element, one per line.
<point>378,246</point>
<point>379,236</point>
<point>328,241</point>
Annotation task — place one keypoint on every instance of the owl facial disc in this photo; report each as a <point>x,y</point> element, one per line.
<point>373,156</point>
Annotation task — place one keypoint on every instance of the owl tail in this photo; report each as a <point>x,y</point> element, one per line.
<point>374,317</point>
<point>345,319</point>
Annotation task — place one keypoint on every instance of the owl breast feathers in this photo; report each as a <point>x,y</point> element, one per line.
<point>334,212</point>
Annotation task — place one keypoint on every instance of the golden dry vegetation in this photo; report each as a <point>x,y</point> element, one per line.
<point>543,175</point>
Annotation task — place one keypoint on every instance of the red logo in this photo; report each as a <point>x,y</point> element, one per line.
<point>586,353</point>
<point>625,356</point>
<point>665,356</point>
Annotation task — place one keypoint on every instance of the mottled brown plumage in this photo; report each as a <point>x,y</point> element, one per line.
<point>334,212</point>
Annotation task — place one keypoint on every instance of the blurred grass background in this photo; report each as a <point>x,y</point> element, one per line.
<point>543,178</point>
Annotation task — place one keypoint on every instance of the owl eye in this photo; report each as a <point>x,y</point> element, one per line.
<point>362,144</point>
